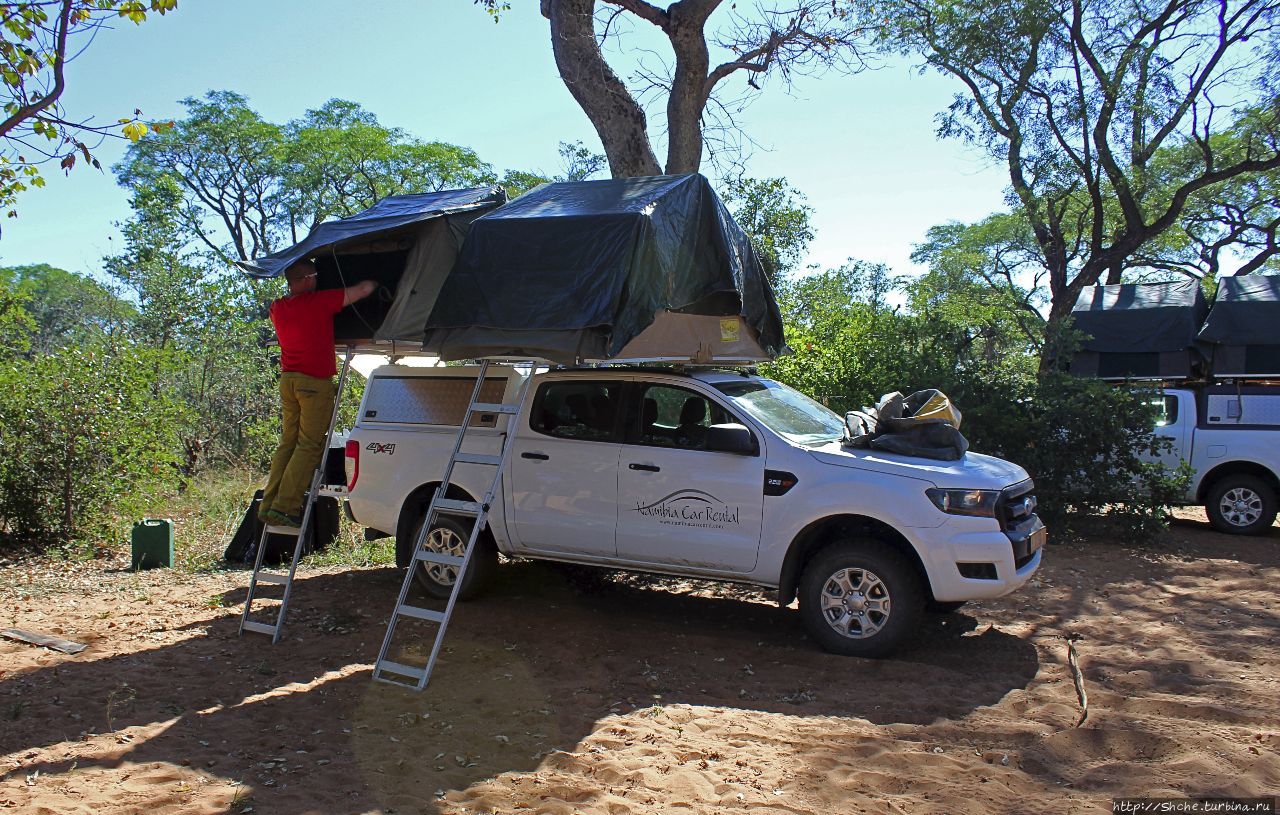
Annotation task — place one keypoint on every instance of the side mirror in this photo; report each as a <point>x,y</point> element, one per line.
<point>731,438</point>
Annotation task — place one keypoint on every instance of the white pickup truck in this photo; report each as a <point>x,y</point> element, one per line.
<point>1230,435</point>
<point>712,474</point>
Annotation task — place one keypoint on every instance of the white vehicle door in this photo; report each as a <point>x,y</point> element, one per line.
<point>564,470</point>
<point>680,504</point>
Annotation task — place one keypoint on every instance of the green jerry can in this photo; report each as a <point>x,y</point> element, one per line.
<point>153,543</point>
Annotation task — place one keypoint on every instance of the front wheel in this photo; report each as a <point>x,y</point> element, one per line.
<point>860,598</point>
<point>448,536</point>
<point>1241,505</point>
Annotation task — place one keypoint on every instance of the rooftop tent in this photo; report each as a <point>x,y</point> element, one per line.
<point>1139,330</point>
<point>407,243</point>
<point>1242,334</point>
<point>624,269</point>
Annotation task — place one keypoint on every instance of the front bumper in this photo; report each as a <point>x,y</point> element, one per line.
<point>981,565</point>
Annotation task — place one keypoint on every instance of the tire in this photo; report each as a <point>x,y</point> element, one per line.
<point>449,536</point>
<point>1241,504</point>
<point>877,619</point>
<point>939,607</point>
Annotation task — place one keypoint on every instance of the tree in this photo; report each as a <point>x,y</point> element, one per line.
<point>776,217</point>
<point>38,39</point>
<point>778,39</point>
<point>64,306</point>
<point>338,160</point>
<point>205,329</point>
<point>249,187</point>
<point>225,160</point>
<point>1078,98</point>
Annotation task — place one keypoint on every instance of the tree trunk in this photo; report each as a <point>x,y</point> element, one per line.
<point>689,89</point>
<point>617,117</point>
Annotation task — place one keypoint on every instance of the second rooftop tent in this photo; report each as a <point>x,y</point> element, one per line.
<point>1139,330</point>
<point>1241,336</point>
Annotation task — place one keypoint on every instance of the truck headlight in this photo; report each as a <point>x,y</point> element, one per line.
<point>979,503</point>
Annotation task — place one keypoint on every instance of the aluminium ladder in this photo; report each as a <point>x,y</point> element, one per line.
<point>409,676</point>
<point>300,533</point>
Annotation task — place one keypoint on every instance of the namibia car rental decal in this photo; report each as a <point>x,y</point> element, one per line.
<point>690,508</point>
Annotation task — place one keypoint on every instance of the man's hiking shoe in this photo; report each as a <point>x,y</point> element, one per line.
<point>276,518</point>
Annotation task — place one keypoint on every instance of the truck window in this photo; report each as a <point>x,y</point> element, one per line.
<point>1166,411</point>
<point>674,417</point>
<point>785,411</point>
<point>586,411</point>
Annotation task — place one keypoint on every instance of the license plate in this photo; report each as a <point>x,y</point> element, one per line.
<point>1038,539</point>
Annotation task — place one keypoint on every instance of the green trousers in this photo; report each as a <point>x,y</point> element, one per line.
<point>306,406</point>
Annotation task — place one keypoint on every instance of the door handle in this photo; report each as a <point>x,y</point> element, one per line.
<point>648,468</point>
<point>536,456</point>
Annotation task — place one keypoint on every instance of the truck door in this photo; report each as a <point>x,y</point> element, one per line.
<point>680,504</point>
<point>564,469</point>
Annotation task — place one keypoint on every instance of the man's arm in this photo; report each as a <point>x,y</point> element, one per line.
<point>359,291</point>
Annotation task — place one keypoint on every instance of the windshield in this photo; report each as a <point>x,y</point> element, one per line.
<point>786,412</point>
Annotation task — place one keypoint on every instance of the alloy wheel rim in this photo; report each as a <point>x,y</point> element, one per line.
<point>855,603</point>
<point>1241,506</point>
<point>443,541</point>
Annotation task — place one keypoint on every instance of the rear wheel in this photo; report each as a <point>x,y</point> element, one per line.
<point>860,598</point>
<point>448,536</point>
<point>1241,505</point>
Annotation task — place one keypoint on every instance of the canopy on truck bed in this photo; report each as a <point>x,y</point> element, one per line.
<point>407,243</point>
<point>1242,333</point>
<point>1138,330</point>
<point>623,269</point>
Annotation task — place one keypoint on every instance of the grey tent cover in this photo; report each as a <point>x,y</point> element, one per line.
<point>1140,317</point>
<point>581,270</point>
<point>390,213</point>
<point>1245,312</point>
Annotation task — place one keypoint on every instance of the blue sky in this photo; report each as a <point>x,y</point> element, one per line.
<point>861,148</point>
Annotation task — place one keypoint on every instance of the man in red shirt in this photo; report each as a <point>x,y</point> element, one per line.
<point>304,325</point>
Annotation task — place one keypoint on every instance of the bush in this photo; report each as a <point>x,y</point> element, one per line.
<point>1084,442</point>
<point>85,432</point>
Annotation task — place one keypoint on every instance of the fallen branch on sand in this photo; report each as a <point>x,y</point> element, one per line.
<point>1073,659</point>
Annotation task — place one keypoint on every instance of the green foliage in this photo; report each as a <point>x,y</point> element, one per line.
<point>1081,440</point>
<point>37,41</point>
<point>16,323</point>
<point>207,329</point>
<point>65,307</point>
<point>84,432</point>
<point>776,217</point>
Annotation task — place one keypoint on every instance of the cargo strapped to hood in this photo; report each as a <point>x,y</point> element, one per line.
<point>924,424</point>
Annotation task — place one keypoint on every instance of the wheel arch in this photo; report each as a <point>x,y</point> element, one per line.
<point>1238,467</point>
<point>418,499</point>
<point>821,532</point>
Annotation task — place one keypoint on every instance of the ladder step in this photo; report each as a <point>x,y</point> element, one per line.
<point>421,613</point>
<point>387,666</point>
<point>273,577</point>
<point>482,407</point>
<point>283,530</point>
<point>333,492</point>
<point>476,458</point>
<point>259,628</point>
<point>452,505</point>
<point>438,557</point>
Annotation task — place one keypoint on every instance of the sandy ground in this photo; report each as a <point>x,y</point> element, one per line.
<point>638,697</point>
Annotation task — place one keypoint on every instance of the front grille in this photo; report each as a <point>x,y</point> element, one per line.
<point>1017,504</point>
<point>1018,563</point>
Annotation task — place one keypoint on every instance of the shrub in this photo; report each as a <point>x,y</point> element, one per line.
<point>84,431</point>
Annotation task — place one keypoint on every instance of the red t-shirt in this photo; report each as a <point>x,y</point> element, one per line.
<point>304,325</point>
